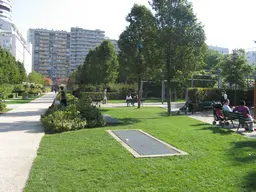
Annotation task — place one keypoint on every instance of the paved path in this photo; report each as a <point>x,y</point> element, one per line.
<point>175,105</point>
<point>20,135</point>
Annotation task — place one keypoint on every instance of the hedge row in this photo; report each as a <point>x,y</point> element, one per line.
<point>211,94</point>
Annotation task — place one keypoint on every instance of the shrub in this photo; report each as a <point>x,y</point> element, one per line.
<point>5,90</point>
<point>91,113</point>
<point>57,120</point>
<point>98,95</point>
<point>2,106</point>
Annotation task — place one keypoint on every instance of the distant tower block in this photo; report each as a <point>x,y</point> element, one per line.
<point>6,10</point>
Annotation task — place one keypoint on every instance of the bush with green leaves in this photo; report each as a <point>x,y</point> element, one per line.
<point>91,113</point>
<point>5,90</point>
<point>62,119</point>
<point>2,106</point>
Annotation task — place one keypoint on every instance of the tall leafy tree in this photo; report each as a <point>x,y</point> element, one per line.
<point>180,37</point>
<point>138,51</point>
<point>36,78</point>
<point>213,59</point>
<point>235,69</point>
<point>22,71</point>
<point>100,66</point>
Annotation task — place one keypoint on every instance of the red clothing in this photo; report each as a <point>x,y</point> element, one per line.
<point>244,110</point>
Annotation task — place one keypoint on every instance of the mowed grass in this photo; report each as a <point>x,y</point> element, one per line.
<point>91,160</point>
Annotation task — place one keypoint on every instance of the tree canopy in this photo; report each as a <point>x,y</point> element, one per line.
<point>11,72</point>
<point>100,66</point>
<point>36,78</point>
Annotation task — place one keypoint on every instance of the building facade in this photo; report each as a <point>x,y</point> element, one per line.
<point>11,39</point>
<point>114,42</point>
<point>51,52</point>
<point>6,10</point>
<point>224,51</point>
<point>251,56</point>
<point>82,40</point>
<point>57,54</point>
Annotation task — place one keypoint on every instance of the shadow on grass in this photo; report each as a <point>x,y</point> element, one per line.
<point>217,130</point>
<point>244,152</point>
<point>251,184</point>
<point>125,121</point>
<point>165,114</point>
<point>199,124</point>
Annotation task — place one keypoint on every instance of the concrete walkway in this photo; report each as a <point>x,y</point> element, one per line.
<point>20,135</point>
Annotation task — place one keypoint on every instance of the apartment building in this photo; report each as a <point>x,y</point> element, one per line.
<point>57,54</point>
<point>251,56</point>
<point>11,39</point>
<point>51,52</point>
<point>82,40</point>
<point>224,51</point>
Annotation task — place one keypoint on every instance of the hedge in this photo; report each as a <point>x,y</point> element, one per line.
<point>212,94</point>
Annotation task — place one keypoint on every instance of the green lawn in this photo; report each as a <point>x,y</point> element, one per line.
<point>91,160</point>
<point>20,100</point>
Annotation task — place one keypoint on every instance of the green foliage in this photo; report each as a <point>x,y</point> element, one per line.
<point>36,78</point>
<point>91,113</point>
<point>58,120</point>
<point>100,66</point>
<point>110,95</point>
<point>144,63</point>
<point>212,94</point>
<point>213,59</point>
<point>11,72</point>
<point>5,90</point>
<point>2,105</point>
<point>235,68</point>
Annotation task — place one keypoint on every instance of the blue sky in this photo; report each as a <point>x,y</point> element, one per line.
<point>228,23</point>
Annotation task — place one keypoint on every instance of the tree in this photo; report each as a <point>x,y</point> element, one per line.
<point>213,59</point>
<point>100,65</point>
<point>22,71</point>
<point>180,37</point>
<point>11,72</point>
<point>47,82</point>
<point>36,78</point>
<point>235,69</point>
<point>138,53</point>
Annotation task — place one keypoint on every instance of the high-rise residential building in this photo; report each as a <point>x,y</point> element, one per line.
<point>11,39</point>
<point>82,40</point>
<point>224,51</point>
<point>251,56</point>
<point>51,52</point>
<point>6,10</point>
<point>58,53</point>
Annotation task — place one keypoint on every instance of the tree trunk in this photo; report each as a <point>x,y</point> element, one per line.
<point>168,85</point>
<point>139,91</point>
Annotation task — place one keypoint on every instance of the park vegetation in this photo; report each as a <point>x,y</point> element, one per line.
<point>164,42</point>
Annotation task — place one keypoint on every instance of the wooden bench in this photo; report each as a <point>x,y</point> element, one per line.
<point>230,116</point>
<point>243,121</point>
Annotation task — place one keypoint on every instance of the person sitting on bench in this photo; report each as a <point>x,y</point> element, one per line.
<point>226,106</point>
<point>246,113</point>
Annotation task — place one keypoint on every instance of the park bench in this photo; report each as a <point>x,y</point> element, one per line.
<point>205,105</point>
<point>243,122</point>
<point>133,101</point>
<point>230,116</point>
